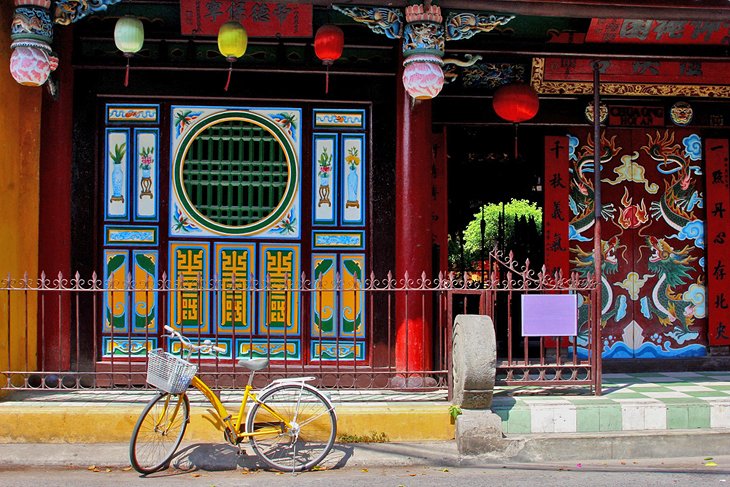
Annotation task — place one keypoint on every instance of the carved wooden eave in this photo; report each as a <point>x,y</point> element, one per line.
<point>646,9</point>
<point>66,12</point>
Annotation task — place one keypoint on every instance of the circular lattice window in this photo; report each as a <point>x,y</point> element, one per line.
<point>235,173</point>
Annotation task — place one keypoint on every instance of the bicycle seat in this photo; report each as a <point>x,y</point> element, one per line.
<point>254,363</point>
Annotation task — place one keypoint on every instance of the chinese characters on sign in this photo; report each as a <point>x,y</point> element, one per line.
<point>718,245</point>
<point>658,31</point>
<point>636,71</point>
<point>627,116</point>
<point>557,213</point>
<point>260,19</point>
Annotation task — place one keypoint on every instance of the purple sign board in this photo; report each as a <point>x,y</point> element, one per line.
<point>549,315</point>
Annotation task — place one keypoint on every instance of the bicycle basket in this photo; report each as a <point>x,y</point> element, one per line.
<point>168,372</point>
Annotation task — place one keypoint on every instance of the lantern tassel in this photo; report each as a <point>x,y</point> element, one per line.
<point>126,74</point>
<point>230,70</point>
<point>516,144</point>
<point>327,80</point>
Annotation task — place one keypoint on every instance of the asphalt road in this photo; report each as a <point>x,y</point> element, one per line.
<point>681,472</point>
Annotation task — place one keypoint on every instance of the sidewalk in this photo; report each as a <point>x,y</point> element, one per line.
<point>646,415</point>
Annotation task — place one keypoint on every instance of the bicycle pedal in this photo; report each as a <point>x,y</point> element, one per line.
<point>241,451</point>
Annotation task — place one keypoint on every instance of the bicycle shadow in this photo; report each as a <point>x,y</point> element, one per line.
<point>212,457</point>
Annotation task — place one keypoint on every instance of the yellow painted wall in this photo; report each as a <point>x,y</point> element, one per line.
<point>20,119</point>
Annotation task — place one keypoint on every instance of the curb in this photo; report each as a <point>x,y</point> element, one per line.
<point>525,450</point>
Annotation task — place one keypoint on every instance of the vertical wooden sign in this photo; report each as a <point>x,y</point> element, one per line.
<point>718,241</point>
<point>556,212</point>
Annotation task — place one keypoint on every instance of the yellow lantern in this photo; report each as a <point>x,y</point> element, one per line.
<point>128,37</point>
<point>232,43</point>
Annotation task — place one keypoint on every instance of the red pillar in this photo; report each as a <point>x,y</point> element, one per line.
<point>54,236</point>
<point>414,159</point>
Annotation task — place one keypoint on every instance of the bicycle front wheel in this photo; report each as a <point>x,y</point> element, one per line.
<point>293,427</point>
<point>158,432</point>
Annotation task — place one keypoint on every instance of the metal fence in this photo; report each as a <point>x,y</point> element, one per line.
<point>57,333</point>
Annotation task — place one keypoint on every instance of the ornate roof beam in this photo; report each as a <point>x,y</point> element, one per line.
<point>424,34</point>
<point>586,9</point>
<point>69,11</point>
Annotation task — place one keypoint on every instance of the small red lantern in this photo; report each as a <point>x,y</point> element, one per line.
<point>328,43</point>
<point>516,103</point>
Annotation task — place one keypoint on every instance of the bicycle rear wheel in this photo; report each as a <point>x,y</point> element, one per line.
<point>308,439</point>
<point>158,432</point>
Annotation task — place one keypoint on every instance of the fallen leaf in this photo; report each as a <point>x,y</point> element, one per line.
<point>108,470</point>
<point>279,473</point>
<point>412,474</point>
<point>364,470</point>
<point>708,459</point>
<point>579,465</point>
<point>710,464</point>
<point>444,469</point>
<point>318,468</point>
<point>623,463</point>
<point>91,467</point>
<point>126,469</point>
<point>196,475</point>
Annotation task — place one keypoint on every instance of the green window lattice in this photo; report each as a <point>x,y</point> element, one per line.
<point>235,174</point>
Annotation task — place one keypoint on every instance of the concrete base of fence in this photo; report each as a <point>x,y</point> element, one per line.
<point>479,432</point>
<point>81,423</point>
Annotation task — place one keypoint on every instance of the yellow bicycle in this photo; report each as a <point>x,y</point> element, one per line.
<point>291,425</point>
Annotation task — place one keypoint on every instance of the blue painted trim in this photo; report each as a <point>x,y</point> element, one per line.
<point>218,248</point>
<point>337,345</point>
<point>130,229</point>
<point>153,285</point>
<point>204,323</point>
<point>107,176</point>
<point>363,178</point>
<point>335,196</point>
<point>123,106</point>
<point>313,311</point>
<point>333,234</point>
<point>137,170</point>
<point>335,126</point>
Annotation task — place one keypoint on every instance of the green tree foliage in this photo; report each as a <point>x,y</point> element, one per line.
<point>522,231</point>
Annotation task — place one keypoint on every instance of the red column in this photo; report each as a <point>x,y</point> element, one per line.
<point>414,159</point>
<point>54,236</point>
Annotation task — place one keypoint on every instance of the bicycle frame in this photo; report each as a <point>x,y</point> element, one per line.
<point>233,425</point>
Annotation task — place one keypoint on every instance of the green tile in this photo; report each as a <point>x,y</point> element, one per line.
<point>699,416</point>
<point>687,401</point>
<point>591,401</point>
<point>677,417</point>
<point>517,421</point>
<point>707,394</point>
<point>652,388</point>
<point>587,419</point>
<point>720,387</point>
<point>627,395</point>
<point>610,418</point>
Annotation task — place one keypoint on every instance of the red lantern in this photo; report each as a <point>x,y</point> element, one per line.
<point>516,103</point>
<point>328,43</point>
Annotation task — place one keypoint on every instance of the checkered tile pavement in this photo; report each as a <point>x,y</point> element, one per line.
<point>630,402</point>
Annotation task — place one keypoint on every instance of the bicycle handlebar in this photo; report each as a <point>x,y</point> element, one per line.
<point>206,347</point>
